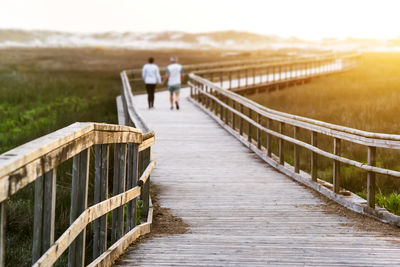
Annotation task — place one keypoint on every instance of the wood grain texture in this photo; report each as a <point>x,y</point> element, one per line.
<point>22,165</point>
<point>241,211</point>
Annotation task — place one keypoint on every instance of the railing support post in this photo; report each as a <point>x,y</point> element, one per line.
<point>79,193</point>
<point>281,144</point>
<point>241,120</point>
<point>269,138</point>
<point>314,142</point>
<point>233,115</point>
<point>227,99</point>
<point>3,213</point>
<point>371,177</point>
<point>44,214</point>
<point>221,109</point>
<point>336,165</point>
<point>100,194</point>
<point>145,195</point>
<point>131,181</point>
<point>119,179</point>
<point>258,131</point>
<point>296,152</point>
<point>249,127</point>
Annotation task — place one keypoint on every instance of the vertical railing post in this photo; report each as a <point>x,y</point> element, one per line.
<point>233,115</point>
<point>221,109</point>
<point>3,213</point>
<point>296,152</point>
<point>269,138</point>
<point>79,194</point>
<point>145,194</point>
<point>249,126</point>
<point>241,119</point>
<point>100,194</point>
<point>258,131</point>
<point>314,142</point>
<point>371,177</point>
<point>44,214</point>
<point>132,177</point>
<point>119,179</point>
<point>227,99</point>
<point>336,165</point>
<point>281,144</point>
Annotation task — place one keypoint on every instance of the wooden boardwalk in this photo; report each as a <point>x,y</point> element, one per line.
<point>242,212</point>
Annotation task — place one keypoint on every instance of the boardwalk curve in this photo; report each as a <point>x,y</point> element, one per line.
<point>241,212</point>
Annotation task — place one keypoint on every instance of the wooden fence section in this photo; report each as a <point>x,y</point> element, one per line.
<point>136,74</point>
<point>257,126</point>
<point>37,162</point>
<point>255,78</point>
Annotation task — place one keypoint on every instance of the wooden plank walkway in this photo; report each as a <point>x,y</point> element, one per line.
<point>242,212</point>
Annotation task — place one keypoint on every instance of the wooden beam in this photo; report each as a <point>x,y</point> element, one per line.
<point>336,165</point>
<point>313,161</point>
<point>117,230</point>
<point>296,152</point>
<point>100,194</point>
<point>371,178</point>
<point>79,193</point>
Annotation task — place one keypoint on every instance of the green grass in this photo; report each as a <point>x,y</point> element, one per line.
<point>42,90</point>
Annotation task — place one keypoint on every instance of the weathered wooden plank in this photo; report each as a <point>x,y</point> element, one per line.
<point>79,193</point>
<point>34,159</point>
<point>296,151</point>
<point>132,179</point>
<point>3,214</point>
<point>313,160</point>
<point>281,144</point>
<point>336,165</point>
<point>119,179</point>
<point>145,195</point>
<point>282,218</point>
<point>371,177</point>
<point>100,194</point>
<point>38,220</point>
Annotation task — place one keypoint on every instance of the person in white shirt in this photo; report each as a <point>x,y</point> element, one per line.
<point>151,76</point>
<point>174,73</point>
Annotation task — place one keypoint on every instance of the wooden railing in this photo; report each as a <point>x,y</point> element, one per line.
<point>256,126</point>
<point>251,78</point>
<point>37,162</point>
<point>136,74</point>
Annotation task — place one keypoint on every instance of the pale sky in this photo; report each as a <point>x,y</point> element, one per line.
<point>307,19</point>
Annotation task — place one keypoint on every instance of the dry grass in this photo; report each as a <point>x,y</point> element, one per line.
<point>366,98</point>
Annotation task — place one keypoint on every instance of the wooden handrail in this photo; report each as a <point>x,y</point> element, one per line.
<point>136,73</point>
<point>36,161</point>
<point>221,102</point>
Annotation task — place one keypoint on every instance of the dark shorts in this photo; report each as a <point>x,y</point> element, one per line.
<point>174,88</point>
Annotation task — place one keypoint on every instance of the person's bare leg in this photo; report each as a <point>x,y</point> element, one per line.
<point>171,99</point>
<point>177,100</point>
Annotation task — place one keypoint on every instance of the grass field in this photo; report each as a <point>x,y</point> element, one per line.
<point>42,90</point>
<point>366,98</point>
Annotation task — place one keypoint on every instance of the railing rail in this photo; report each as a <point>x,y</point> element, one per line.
<point>253,125</point>
<point>37,162</point>
<point>136,74</point>
<point>251,77</point>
